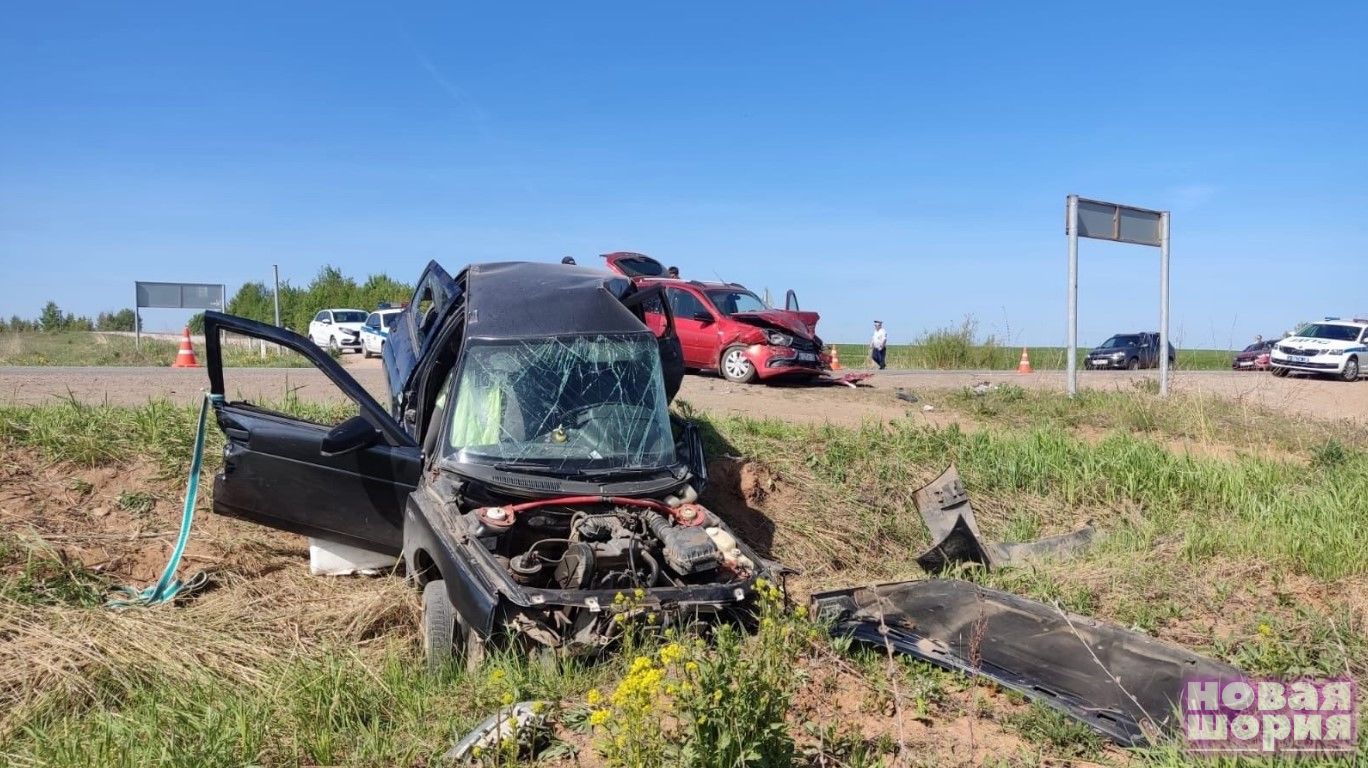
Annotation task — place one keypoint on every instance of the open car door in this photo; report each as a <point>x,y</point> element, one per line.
<point>346,483</point>
<point>652,308</point>
<point>411,332</point>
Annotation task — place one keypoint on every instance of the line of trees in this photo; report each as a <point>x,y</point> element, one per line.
<point>52,318</point>
<point>329,289</point>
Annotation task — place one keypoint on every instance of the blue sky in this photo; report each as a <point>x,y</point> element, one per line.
<point>901,160</point>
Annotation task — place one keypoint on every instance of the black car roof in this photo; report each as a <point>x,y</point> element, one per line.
<point>522,299</point>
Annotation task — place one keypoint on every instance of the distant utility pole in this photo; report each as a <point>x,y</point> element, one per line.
<point>276,269</point>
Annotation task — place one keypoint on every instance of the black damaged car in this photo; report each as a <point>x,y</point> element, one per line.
<point>528,474</point>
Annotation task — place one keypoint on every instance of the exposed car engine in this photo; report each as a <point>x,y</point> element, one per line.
<point>594,543</point>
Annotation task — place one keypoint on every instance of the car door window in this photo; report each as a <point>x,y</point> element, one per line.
<point>299,381</point>
<point>427,303</point>
<point>685,305</point>
<point>373,321</point>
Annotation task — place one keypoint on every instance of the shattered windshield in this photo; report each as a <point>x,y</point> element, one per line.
<point>563,405</point>
<point>732,302</point>
<point>1120,342</point>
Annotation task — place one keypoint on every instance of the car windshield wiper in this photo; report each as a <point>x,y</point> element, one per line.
<point>620,472</point>
<point>531,468</point>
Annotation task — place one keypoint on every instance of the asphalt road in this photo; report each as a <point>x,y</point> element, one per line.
<point>133,386</point>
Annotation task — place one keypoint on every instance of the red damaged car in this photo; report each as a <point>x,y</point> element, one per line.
<point>724,327</point>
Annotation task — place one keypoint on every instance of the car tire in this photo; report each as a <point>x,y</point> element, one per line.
<point>1133,364</point>
<point>735,367</point>
<point>1279,371</point>
<point>333,346</point>
<point>1351,370</point>
<point>446,638</point>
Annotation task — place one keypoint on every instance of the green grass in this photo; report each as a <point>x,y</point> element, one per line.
<point>1268,547</point>
<point>1195,417</point>
<point>94,435</point>
<point>335,707</point>
<point>1318,514</point>
<point>34,574</point>
<point>998,358</point>
<point>92,348</point>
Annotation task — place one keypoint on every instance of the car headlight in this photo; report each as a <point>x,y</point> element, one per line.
<point>1118,355</point>
<point>778,339</point>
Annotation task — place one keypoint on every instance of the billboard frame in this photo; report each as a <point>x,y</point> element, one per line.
<point>1160,240</point>
<point>139,305</point>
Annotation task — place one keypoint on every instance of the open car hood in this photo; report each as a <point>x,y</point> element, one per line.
<point>803,324</point>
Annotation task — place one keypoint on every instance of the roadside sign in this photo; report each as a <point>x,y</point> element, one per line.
<point>152,295</point>
<point>179,295</point>
<point>1122,224</point>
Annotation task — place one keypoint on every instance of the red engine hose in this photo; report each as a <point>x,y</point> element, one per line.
<point>619,500</point>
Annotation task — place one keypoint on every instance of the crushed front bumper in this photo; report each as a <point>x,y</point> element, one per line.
<point>770,361</point>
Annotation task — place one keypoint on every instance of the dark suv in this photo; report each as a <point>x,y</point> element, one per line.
<point>1129,351</point>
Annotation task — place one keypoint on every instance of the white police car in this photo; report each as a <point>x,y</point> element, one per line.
<point>1334,346</point>
<point>375,330</point>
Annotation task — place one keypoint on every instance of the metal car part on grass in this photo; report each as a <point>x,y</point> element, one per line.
<point>1123,684</point>
<point>944,505</point>
<point>514,723</point>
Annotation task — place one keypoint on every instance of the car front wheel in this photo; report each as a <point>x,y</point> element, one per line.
<point>1134,364</point>
<point>1351,370</point>
<point>736,367</point>
<point>333,346</point>
<point>445,637</point>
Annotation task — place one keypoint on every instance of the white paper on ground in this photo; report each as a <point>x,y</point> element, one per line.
<point>328,558</point>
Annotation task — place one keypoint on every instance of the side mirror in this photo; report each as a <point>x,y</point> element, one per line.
<point>703,317</point>
<point>326,321</point>
<point>351,435</point>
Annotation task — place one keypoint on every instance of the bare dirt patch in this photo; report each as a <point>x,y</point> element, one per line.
<point>122,521</point>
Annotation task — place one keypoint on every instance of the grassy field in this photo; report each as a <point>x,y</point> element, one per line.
<point>1255,554</point>
<point>81,348</point>
<point>996,358</point>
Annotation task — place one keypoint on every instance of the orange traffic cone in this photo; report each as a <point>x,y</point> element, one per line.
<point>1025,365</point>
<point>185,358</point>
<point>835,359</point>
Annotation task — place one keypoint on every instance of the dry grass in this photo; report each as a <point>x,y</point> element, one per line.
<point>234,632</point>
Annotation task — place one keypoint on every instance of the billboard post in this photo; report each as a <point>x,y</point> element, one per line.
<point>1071,364</point>
<point>1164,304</point>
